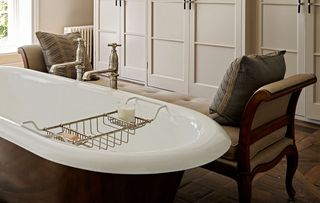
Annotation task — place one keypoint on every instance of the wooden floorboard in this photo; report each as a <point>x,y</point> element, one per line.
<point>202,186</point>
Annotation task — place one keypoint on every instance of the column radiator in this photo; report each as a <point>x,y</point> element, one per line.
<point>87,34</point>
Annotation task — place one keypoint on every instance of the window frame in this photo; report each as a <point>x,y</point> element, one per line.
<point>10,45</point>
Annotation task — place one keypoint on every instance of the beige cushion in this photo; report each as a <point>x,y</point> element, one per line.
<point>198,104</point>
<point>60,49</point>
<point>242,79</point>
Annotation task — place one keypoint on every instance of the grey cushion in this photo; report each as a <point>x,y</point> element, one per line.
<point>60,49</point>
<point>244,76</point>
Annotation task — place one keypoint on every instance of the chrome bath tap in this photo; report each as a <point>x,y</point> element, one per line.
<point>112,69</point>
<point>78,63</point>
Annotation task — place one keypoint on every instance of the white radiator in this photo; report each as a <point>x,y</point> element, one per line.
<point>86,34</point>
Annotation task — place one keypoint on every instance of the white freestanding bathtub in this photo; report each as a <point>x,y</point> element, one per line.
<point>177,139</point>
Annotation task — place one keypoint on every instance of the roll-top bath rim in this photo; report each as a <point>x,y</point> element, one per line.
<point>189,140</point>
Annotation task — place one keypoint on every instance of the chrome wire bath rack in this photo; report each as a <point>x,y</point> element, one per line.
<point>99,132</point>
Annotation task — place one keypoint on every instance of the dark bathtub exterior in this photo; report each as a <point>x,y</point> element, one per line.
<point>26,177</point>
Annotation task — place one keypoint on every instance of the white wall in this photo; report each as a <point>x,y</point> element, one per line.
<point>56,14</point>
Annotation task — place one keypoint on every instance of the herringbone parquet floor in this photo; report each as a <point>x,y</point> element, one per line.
<point>202,186</point>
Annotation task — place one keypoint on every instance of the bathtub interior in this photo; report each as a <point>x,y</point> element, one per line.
<point>49,102</point>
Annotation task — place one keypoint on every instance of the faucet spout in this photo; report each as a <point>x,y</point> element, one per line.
<point>88,74</point>
<point>113,76</point>
<point>55,67</point>
<point>113,68</point>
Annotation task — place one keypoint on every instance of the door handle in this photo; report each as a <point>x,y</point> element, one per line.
<point>299,5</point>
<point>120,2</point>
<point>190,2</point>
<point>184,4</point>
<point>116,2</point>
<point>309,6</point>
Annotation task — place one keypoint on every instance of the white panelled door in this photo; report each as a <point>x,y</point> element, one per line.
<point>282,28</point>
<point>168,42</point>
<point>215,40</point>
<point>123,22</point>
<point>133,64</point>
<point>107,30</point>
<point>192,43</point>
<point>313,58</point>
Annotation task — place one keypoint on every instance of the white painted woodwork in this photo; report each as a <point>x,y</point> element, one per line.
<point>282,28</point>
<point>168,45</point>
<point>191,48</point>
<point>133,63</point>
<point>106,30</point>
<point>126,25</point>
<point>313,60</point>
<point>215,40</point>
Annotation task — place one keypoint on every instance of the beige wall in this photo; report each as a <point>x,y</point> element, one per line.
<point>251,27</point>
<point>53,16</point>
<point>56,14</point>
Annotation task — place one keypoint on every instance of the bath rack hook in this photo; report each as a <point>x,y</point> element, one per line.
<point>155,103</point>
<point>23,124</point>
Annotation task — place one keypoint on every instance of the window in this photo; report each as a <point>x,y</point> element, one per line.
<point>15,24</point>
<point>3,19</point>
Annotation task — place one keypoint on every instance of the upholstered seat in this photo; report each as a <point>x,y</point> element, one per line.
<point>32,57</point>
<point>195,103</point>
<point>265,136</point>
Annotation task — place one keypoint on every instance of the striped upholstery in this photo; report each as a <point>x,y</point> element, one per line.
<point>244,76</point>
<point>60,49</point>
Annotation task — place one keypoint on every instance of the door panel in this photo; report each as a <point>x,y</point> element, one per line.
<point>166,61</point>
<point>107,9</point>
<point>107,30</point>
<point>135,16</point>
<point>168,20</point>
<point>134,58</point>
<point>168,47</point>
<point>133,39</point>
<point>282,28</point>
<point>208,23</point>
<point>214,44</point>
<point>317,28</point>
<point>213,62</point>
<point>103,50</point>
<point>279,26</point>
<point>313,60</point>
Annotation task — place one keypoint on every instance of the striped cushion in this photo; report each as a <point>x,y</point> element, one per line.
<point>60,49</point>
<point>244,76</point>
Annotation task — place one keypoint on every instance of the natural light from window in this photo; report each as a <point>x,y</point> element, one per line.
<point>15,24</point>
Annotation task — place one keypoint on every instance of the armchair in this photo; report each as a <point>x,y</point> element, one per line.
<point>32,57</point>
<point>265,136</point>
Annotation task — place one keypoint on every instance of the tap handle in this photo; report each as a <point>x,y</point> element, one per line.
<point>79,39</point>
<point>114,45</point>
